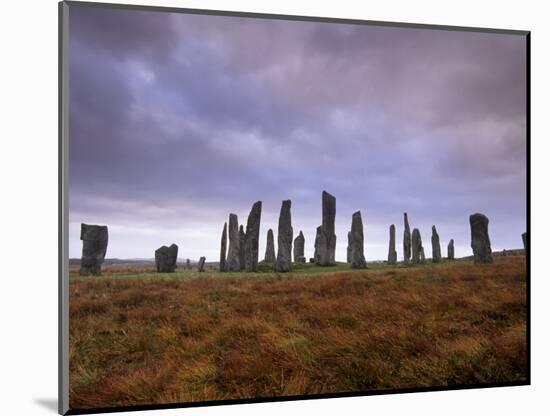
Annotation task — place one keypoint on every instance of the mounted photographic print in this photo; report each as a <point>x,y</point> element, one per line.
<point>262,207</point>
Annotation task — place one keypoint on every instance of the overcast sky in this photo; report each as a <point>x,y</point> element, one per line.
<point>177,120</point>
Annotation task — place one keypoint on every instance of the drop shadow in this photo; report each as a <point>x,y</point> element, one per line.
<point>49,404</point>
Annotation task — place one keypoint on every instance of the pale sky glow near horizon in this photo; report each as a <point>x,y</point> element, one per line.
<point>177,120</point>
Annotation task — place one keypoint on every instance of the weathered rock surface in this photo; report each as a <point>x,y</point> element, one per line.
<point>223,249</point>
<point>284,239</point>
<point>270,248</point>
<point>233,262</point>
<point>242,241</point>
<point>166,258</point>
<point>436,246</point>
<point>524,239</point>
<point>299,245</point>
<point>481,245</point>
<point>392,254</point>
<point>416,246</point>
<point>451,250</point>
<point>407,241</point>
<point>357,243</point>
<point>252,238</point>
<point>201,264</point>
<point>94,246</point>
<point>348,258</point>
<point>325,240</point>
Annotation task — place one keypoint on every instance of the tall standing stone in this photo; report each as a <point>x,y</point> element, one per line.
<point>406,241</point>
<point>524,239</point>
<point>200,266</point>
<point>223,249</point>
<point>392,254</point>
<point>436,246</point>
<point>188,264</point>
<point>481,245</point>
<point>233,262</point>
<point>242,240</point>
<point>284,239</point>
<point>416,246</point>
<point>357,243</point>
<point>348,258</point>
<point>451,250</point>
<point>299,245</point>
<point>94,246</point>
<point>325,240</point>
<point>270,248</point>
<point>166,258</point>
<point>252,238</point>
<point>422,255</point>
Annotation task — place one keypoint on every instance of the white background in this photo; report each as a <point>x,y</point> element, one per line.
<point>28,231</point>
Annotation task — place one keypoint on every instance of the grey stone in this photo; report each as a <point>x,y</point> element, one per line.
<point>299,244</point>
<point>416,246</point>
<point>252,238</point>
<point>407,241</point>
<point>223,249</point>
<point>242,241</point>
<point>284,239</point>
<point>166,258</point>
<point>451,250</point>
<point>348,258</point>
<point>422,255</point>
<point>200,267</point>
<point>357,243</point>
<point>270,248</point>
<point>436,246</point>
<point>325,239</point>
<point>94,246</point>
<point>188,264</point>
<point>392,254</point>
<point>481,245</point>
<point>233,262</point>
<point>524,239</point>
<point>300,259</point>
<point>312,260</point>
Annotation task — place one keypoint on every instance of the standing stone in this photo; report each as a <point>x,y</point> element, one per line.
<point>252,238</point>
<point>94,246</point>
<point>312,260</point>
<point>422,255</point>
<point>524,238</point>
<point>357,244</point>
<point>270,248</point>
<point>188,264</point>
<point>451,250</point>
<point>436,247</point>
<point>348,258</point>
<point>299,244</point>
<point>165,259</point>
<point>325,240</point>
<point>233,262</point>
<point>242,241</point>
<point>201,264</point>
<point>223,249</point>
<point>481,245</point>
<point>392,254</point>
<point>416,246</point>
<point>284,239</point>
<point>406,241</point>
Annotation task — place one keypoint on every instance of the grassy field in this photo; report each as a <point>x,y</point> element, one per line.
<point>138,337</point>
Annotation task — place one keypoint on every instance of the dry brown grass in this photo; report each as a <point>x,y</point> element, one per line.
<point>153,341</point>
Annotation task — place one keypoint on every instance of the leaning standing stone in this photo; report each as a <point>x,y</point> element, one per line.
<point>436,247</point>
<point>94,246</point>
<point>392,254</point>
<point>284,239</point>
<point>325,240</point>
<point>481,245</point>
<point>299,243</point>
<point>406,241</point>
<point>270,248</point>
<point>357,244</point>
<point>416,246</point>
<point>165,258</point>
<point>252,238</point>
<point>233,262</point>
<point>223,249</point>
<point>201,264</point>
<point>242,240</point>
<point>451,250</point>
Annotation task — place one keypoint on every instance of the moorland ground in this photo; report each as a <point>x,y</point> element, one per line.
<point>138,337</point>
